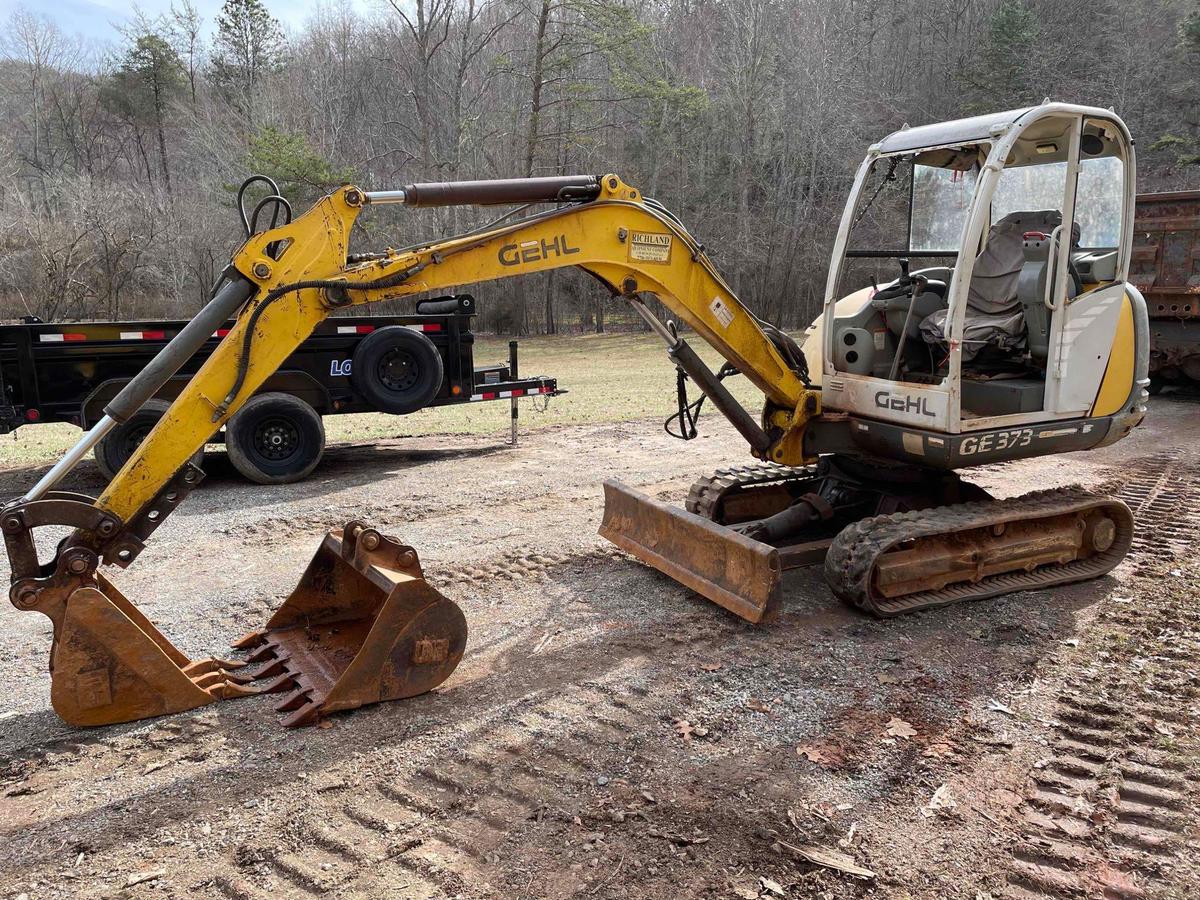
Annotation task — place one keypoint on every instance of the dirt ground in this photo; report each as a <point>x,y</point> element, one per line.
<point>610,734</point>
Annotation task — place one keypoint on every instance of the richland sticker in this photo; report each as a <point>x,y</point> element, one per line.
<point>646,246</point>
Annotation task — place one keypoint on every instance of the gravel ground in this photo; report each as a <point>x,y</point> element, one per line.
<point>610,734</point>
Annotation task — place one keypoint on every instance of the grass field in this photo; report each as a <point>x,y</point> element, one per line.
<point>610,378</point>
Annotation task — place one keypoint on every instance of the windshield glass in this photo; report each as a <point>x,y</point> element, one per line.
<point>941,201</point>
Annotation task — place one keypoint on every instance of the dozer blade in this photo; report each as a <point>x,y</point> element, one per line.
<point>362,626</point>
<point>728,568</point>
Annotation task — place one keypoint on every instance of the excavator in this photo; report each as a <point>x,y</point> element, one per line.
<point>1021,338</point>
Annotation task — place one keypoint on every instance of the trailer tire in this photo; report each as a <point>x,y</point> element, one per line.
<point>397,370</point>
<point>275,439</point>
<point>118,445</point>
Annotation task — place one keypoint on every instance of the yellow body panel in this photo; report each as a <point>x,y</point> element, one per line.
<point>1118,376</point>
<point>628,244</point>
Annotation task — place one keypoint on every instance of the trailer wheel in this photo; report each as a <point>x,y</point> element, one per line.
<point>398,370</point>
<point>118,445</point>
<point>275,439</point>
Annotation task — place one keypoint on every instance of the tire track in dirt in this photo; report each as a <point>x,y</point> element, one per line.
<point>1107,811</point>
<point>443,825</point>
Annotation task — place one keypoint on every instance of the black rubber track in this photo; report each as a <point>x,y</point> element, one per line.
<point>706,494</point>
<point>850,562</point>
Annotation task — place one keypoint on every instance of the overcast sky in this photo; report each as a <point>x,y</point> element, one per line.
<point>96,20</point>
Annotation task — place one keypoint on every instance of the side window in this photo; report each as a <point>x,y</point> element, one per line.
<point>1098,202</point>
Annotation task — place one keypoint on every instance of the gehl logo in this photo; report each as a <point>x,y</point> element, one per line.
<point>903,403</point>
<point>533,251</point>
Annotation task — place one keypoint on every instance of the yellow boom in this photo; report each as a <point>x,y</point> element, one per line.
<point>625,242</point>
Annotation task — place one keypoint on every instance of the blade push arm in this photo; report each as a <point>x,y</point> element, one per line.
<point>631,244</point>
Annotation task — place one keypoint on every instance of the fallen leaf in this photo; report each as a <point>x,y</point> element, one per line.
<point>1072,642</point>
<point>901,729</point>
<point>830,859</point>
<point>155,766</point>
<point>325,723</point>
<point>758,705</point>
<point>710,666</point>
<point>941,799</point>
<point>746,893</point>
<point>813,754</point>
<point>996,706</point>
<point>684,729</point>
<point>771,887</point>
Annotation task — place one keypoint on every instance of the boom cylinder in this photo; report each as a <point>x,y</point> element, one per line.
<point>181,348</point>
<point>487,193</point>
<point>147,383</point>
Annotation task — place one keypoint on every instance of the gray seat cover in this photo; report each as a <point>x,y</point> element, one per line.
<point>993,310</point>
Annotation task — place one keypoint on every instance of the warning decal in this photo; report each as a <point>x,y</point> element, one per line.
<point>649,247</point>
<point>723,313</point>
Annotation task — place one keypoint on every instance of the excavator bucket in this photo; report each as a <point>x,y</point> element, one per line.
<point>730,569</point>
<point>110,664</point>
<point>362,626</point>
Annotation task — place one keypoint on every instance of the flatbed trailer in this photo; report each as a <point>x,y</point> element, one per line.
<point>68,371</point>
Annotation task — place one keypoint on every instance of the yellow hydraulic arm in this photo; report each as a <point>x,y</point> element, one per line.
<point>363,625</point>
<point>301,275</point>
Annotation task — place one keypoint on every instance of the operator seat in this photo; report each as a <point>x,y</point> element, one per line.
<point>995,316</point>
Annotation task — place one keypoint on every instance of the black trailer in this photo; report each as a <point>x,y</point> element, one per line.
<point>67,372</point>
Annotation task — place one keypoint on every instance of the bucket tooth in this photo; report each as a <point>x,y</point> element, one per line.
<point>732,570</point>
<point>306,714</point>
<point>229,689</point>
<point>297,698</point>
<point>213,664</point>
<point>278,685</point>
<point>209,680</point>
<point>263,654</point>
<point>248,640</point>
<point>277,666</point>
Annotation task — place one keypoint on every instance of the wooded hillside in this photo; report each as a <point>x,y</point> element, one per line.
<point>745,117</point>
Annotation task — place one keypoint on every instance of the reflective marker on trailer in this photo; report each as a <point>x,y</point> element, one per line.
<point>355,329</point>
<point>143,335</point>
<point>58,338</point>
<point>516,392</point>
